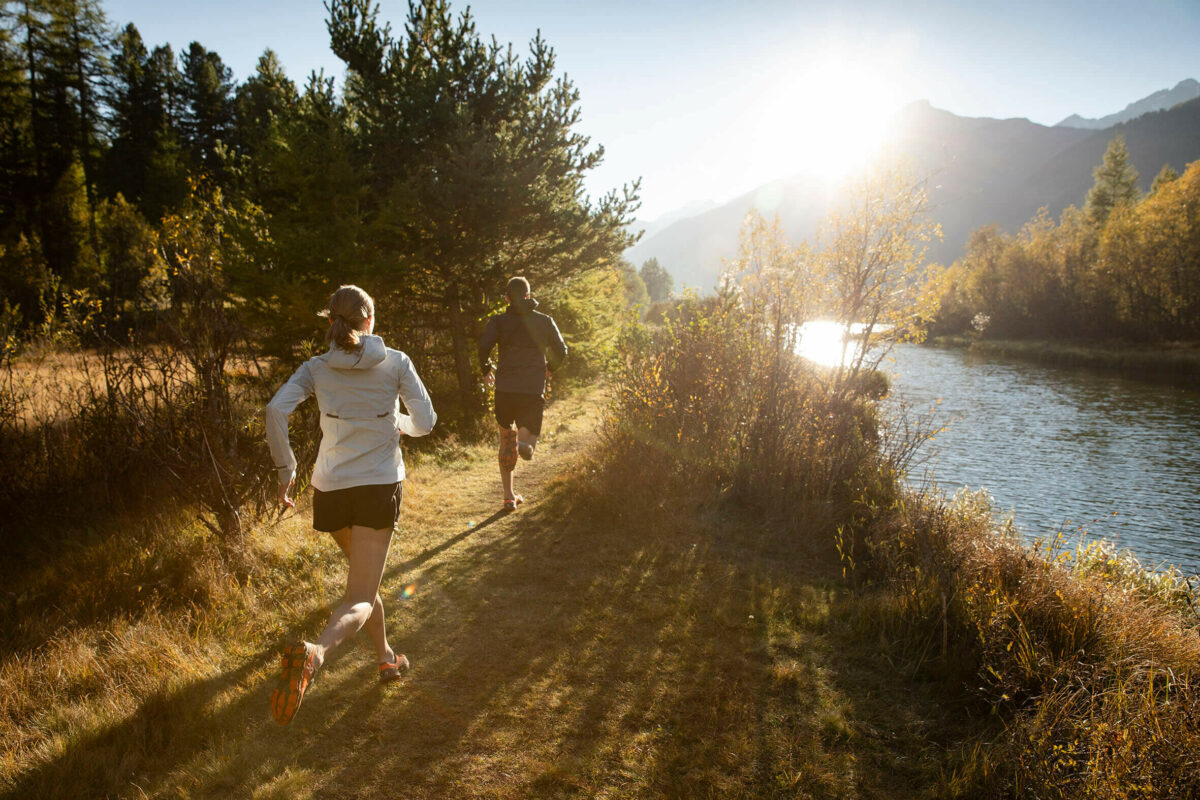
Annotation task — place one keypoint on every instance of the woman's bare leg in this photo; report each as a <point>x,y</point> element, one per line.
<point>366,549</point>
<point>375,628</point>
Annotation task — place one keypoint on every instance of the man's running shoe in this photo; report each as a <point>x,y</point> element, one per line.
<point>392,670</point>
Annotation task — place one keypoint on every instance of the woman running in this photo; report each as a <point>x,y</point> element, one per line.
<point>358,478</point>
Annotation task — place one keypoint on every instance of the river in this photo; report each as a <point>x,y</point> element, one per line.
<point>1063,448</point>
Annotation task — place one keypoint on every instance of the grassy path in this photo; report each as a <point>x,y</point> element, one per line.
<point>575,648</point>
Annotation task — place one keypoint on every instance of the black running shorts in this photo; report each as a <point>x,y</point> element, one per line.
<point>523,409</point>
<point>370,506</point>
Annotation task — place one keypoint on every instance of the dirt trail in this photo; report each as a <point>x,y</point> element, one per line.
<point>564,651</point>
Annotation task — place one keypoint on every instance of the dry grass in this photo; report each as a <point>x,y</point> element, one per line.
<point>1091,660</point>
<point>576,648</point>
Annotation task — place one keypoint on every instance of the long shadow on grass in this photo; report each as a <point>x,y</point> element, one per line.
<point>163,733</point>
<point>580,654</point>
<point>572,652</point>
<point>428,553</point>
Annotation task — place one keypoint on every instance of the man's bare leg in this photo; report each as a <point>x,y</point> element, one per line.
<point>526,441</point>
<point>508,461</point>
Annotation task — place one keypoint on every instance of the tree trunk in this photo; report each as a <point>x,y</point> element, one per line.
<point>85,120</point>
<point>467,383</point>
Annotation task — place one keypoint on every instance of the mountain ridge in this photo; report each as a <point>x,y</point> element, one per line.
<point>1187,89</point>
<point>983,171</point>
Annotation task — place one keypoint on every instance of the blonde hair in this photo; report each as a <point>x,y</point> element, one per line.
<point>348,310</point>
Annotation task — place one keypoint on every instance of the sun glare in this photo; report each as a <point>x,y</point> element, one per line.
<point>826,116</point>
<point>823,342</point>
<point>827,343</point>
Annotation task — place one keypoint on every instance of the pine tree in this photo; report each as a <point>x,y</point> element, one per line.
<point>144,162</point>
<point>308,183</point>
<point>86,38</point>
<point>476,170</point>
<point>207,93</point>
<point>261,103</point>
<point>62,45</point>
<point>1164,177</point>
<point>1115,184</point>
<point>16,147</point>
<point>659,282</point>
<point>635,288</point>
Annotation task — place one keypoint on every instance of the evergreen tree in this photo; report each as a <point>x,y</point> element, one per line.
<point>144,163</point>
<point>86,39</point>
<point>1115,184</point>
<point>659,282</point>
<point>16,155</point>
<point>1164,176</point>
<point>307,182</point>
<point>475,171</point>
<point>262,101</point>
<point>62,45</point>
<point>635,287</point>
<point>207,93</point>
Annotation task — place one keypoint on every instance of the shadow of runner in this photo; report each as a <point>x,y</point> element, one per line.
<point>425,555</point>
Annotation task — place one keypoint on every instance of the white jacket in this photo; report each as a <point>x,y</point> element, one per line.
<point>361,423</point>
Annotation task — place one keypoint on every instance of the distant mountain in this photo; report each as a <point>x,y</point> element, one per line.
<point>981,171</point>
<point>1163,99</point>
<point>692,249</point>
<point>1153,140</point>
<point>651,227</point>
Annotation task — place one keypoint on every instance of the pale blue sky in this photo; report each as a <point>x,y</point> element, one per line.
<point>705,100</point>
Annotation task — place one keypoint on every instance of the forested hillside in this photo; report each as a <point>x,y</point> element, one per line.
<point>444,163</point>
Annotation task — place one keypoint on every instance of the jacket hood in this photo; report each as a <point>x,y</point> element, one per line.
<point>371,352</point>
<point>523,305</point>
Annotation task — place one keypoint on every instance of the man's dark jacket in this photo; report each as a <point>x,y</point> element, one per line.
<point>529,344</point>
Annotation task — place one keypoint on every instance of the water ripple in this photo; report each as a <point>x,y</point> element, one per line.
<point>1054,445</point>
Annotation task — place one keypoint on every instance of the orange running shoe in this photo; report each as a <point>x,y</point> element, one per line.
<point>296,675</point>
<point>392,670</point>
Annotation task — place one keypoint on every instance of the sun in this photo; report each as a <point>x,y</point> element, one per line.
<point>828,114</point>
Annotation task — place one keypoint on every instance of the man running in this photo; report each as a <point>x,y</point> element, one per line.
<point>530,348</point>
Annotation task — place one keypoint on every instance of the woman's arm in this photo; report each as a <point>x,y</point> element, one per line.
<point>298,389</point>
<point>421,417</point>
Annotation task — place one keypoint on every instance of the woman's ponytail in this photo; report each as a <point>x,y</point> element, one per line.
<point>348,310</point>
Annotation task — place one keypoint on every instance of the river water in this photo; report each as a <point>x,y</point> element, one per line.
<point>1062,448</point>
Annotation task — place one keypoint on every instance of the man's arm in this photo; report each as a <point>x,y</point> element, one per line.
<point>556,348</point>
<point>491,335</point>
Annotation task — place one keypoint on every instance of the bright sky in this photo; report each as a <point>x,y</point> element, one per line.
<point>705,100</point>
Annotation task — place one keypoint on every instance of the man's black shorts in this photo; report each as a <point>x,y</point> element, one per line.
<point>370,506</point>
<point>523,409</point>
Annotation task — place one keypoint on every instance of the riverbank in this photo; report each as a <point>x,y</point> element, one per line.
<point>1170,360</point>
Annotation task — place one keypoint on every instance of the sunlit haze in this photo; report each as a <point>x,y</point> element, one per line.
<point>824,113</point>
<point>706,100</point>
